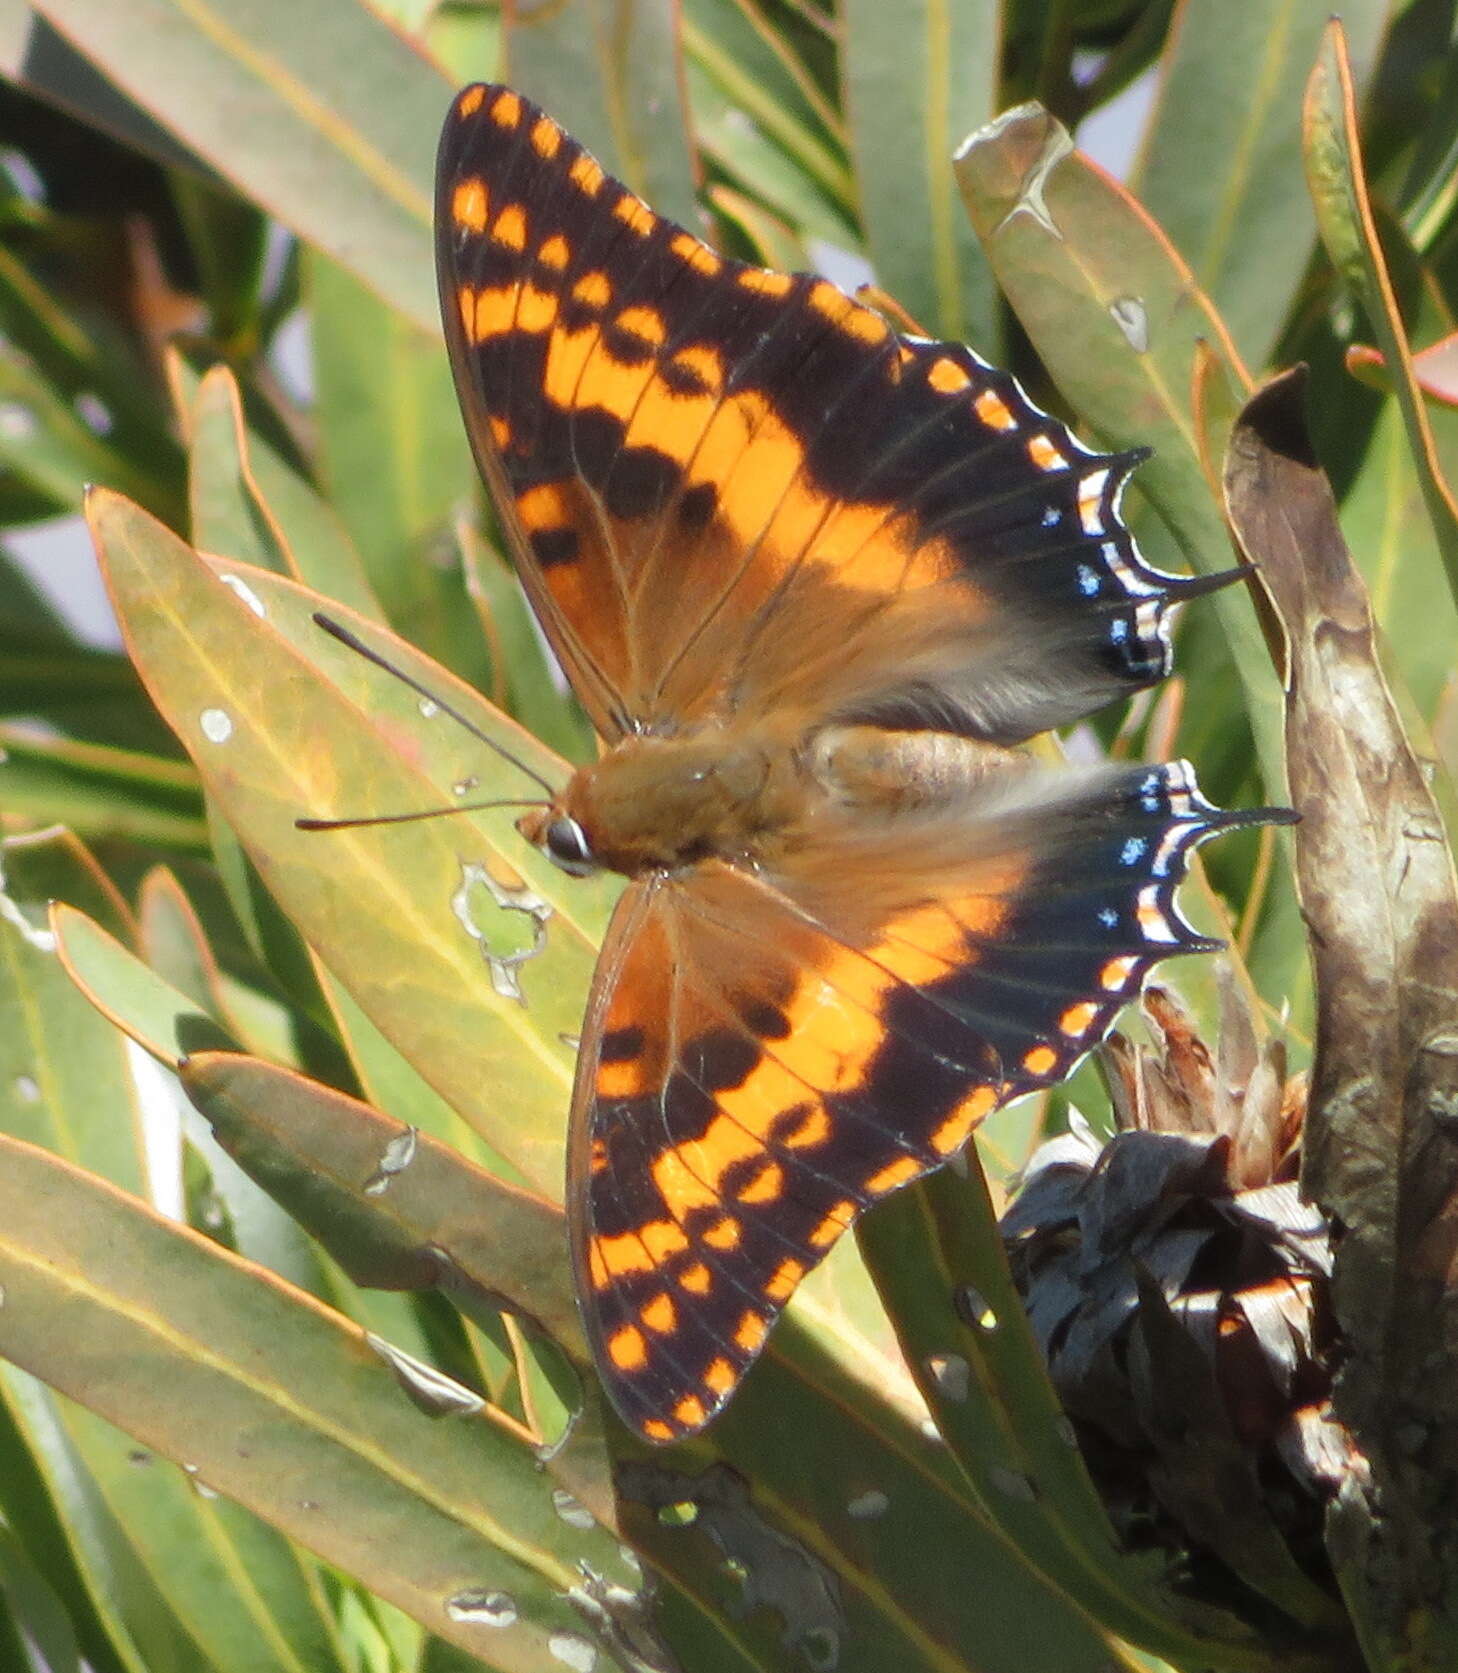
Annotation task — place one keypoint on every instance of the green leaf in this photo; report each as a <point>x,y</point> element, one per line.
<point>919,76</point>
<point>281,1407</point>
<point>761,163</point>
<point>851,1522</point>
<point>1385,519</point>
<point>64,1080</point>
<point>322,115</point>
<point>248,503</point>
<point>165,1022</point>
<point>394,457</point>
<point>761,117</point>
<point>45,1642</point>
<point>612,77</point>
<point>1220,164</point>
<point>74,359</point>
<point>229,242</point>
<point>1339,188</point>
<point>129,1623</point>
<point>98,791</point>
<point>394,1087</point>
<point>404,916</point>
<point>396,1208</point>
<point>48,444</point>
<point>937,1256</point>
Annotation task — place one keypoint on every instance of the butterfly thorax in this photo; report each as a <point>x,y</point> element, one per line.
<point>750,795</point>
<point>661,804</point>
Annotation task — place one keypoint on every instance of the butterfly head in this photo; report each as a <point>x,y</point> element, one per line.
<point>561,837</point>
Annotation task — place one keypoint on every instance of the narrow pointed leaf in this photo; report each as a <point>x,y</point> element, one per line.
<point>64,1080</point>
<point>393,454</point>
<point>166,1023</point>
<point>1220,164</point>
<point>397,1208</point>
<point>404,915</point>
<point>611,75</point>
<point>282,1407</point>
<point>1339,188</point>
<point>247,503</point>
<point>919,76</point>
<point>322,115</point>
<point>968,1339</point>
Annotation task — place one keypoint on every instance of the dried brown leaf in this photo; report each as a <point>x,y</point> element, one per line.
<point>1377,888</point>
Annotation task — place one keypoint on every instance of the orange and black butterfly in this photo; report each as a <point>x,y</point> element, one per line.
<point>812,581</point>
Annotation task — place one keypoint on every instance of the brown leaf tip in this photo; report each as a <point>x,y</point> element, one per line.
<point>1276,415</point>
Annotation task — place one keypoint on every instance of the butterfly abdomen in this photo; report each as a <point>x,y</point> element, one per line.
<point>875,770</point>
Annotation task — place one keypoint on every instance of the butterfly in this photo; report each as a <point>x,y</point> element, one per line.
<point>814,582</point>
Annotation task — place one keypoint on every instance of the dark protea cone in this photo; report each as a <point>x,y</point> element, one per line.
<point>1178,1287</point>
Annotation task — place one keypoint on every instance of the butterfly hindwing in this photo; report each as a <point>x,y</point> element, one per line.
<point>729,488</point>
<point>762,1061</point>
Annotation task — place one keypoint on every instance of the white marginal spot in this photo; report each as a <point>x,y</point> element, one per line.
<point>1088,581</point>
<point>1132,318</point>
<point>1108,917</point>
<point>245,592</point>
<point>865,1507</point>
<point>1129,578</point>
<point>952,1375</point>
<point>1132,850</point>
<point>1052,517</point>
<point>216,724</point>
<point>27,1089</point>
<point>429,708</point>
<point>574,1651</point>
<point>1148,620</point>
<point>1091,502</point>
<point>511,897</point>
<point>1151,916</point>
<point>464,786</point>
<point>1172,844</point>
<point>480,1608</point>
<point>398,1154</point>
<point>574,1513</point>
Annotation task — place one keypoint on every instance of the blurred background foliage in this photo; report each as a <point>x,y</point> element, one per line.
<point>309,1409</point>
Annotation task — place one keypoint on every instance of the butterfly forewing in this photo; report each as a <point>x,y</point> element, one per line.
<point>747,511</point>
<point>710,470</point>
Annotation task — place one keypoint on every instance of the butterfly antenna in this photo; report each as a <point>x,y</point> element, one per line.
<point>337,630</point>
<point>404,818</point>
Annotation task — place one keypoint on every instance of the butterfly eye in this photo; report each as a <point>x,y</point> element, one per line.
<point>566,845</point>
